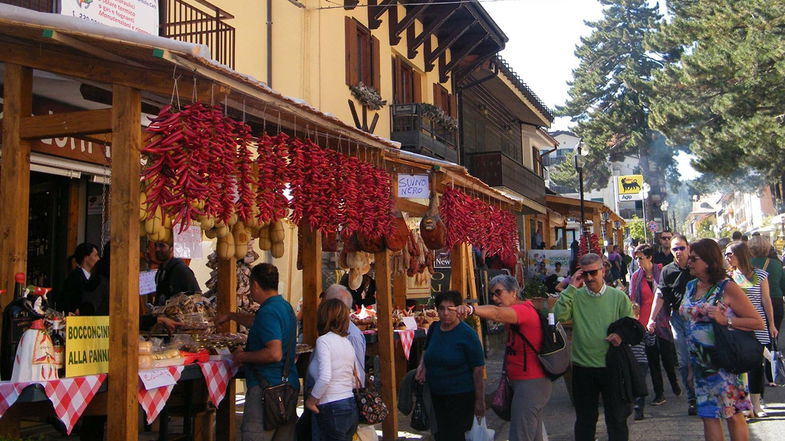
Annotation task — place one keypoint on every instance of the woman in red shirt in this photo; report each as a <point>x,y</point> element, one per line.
<point>531,388</point>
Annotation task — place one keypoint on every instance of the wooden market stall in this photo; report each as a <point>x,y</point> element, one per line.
<point>141,69</point>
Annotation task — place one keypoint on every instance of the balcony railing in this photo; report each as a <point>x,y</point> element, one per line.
<point>204,24</point>
<point>416,132</point>
<point>499,170</point>
<point>35,5</point>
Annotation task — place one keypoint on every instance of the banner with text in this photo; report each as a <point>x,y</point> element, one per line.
<point>544,263</point>
<point>86,345</point>
<point>135,15</point>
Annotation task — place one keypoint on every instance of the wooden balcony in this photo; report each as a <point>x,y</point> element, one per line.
<point>200,22</point>
<point>417,133</point>
<point>499,170</point>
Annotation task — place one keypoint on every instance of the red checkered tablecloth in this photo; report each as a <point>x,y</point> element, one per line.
<point>217,374</point>
<point>69,396</point>
<point>407,337</point>
<point>154,400</point>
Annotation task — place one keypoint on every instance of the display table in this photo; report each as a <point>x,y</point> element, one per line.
<point>407,353</point>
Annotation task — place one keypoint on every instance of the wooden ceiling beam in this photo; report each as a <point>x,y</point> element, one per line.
<point>455,58</point>
<point>408,20</point>
<point>59,125</point>
<point>427,31</point>
<point>375,12</point>
<point>461,29</point>
<point>86,48</point>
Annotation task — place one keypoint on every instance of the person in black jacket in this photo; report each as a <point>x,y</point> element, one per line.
<point>626,379</point>
<point>80,281</point>
<point>173,276</point>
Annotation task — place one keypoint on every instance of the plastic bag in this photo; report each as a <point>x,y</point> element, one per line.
<point>365,432</point>
<point>480,431</point>
<point>777,367</point>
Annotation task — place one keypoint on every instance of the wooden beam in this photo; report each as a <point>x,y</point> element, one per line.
<point>226,428</point>
<point>15,182</point>
<point>72,233</point>
<point>375,12</point>
<point>427,31</point>
<point>455,58</point>
<point>386,343</point>
<point>392,24</point>
<point>408,20</point>
<point>312,279</point>
<point>124,273</point>
<point>60,125</point>
<point>461,29</point>
<point>70,63</point>
<point>87,48</point>
<point>458,269</point>
<point>410,207</point>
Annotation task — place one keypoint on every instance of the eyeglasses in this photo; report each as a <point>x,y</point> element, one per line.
<point>681,248</point>
<point>693,258</point>
<point>729,253</point>
<point>591,272</point>
<point>496,292</point>
<point>666,237</point>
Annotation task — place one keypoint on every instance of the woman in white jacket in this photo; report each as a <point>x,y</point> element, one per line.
<point>331,398</point>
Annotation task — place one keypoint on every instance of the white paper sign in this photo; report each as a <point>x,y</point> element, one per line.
<point>155,378</point>
<point>146,282</point>
<point>410,322</point>
<point>188,244</point>
<point>135,15</point>
<point>413,187</point>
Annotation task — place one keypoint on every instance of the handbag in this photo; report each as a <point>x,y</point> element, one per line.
<point>419,419</point>
<point>734,350</point>
<point>501,400</point>
<point>777,366</point>
<point>279,402</point>
<point>369,403</point>
<point>554,354</point>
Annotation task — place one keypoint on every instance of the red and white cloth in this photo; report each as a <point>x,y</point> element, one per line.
<point>217,374</point>
<point>154,400</point>
<point>69,396</point>
<point>407,337</point>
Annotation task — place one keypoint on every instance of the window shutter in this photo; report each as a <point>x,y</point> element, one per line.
<point>376,60</point>
<point>437,96</point>
<point>417,87</point>
<point>396,71</point>
<point>351,52</point>
<point>453,106</point>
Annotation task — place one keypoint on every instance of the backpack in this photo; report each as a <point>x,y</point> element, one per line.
<point>554,353</point>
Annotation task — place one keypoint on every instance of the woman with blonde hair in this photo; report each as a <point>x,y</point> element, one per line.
<point>331,398</point>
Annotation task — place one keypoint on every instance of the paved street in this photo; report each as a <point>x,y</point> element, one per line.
<point>663,423</point>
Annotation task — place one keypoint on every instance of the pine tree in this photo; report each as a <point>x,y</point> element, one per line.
<point>721,91</point>
<point>610,91</point>
<point>564,173</point>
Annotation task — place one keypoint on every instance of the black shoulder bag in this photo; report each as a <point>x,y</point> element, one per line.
<point>280,401</point>
<point>734,350</point>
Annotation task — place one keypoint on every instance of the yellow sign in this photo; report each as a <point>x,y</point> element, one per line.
<point>86,345</point>
<point>630,184</point>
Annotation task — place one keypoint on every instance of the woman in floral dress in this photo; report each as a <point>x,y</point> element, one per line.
<point>711,297</point>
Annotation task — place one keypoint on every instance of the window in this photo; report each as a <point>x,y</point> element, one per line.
<point>443,100</point>
<point>537,161</point>
<point>406,83</point>
<point>362,55</point>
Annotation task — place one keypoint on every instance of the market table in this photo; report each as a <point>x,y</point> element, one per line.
<point>74,397</point>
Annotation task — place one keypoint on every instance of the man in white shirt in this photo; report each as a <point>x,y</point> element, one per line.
<point>356,337</point>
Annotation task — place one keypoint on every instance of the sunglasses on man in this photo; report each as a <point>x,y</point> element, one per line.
<point>591,272</point>
<point>666,237</point>
<point>681,248</point>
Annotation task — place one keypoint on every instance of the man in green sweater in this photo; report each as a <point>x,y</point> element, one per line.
<point>593,306</point>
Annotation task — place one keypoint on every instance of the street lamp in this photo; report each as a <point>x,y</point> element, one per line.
<point>645,194</point>
<point>579,163</point>
<point>664,208</point>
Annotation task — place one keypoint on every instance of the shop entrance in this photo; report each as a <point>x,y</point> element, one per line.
<point>48,228</point>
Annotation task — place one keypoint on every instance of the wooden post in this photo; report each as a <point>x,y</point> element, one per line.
<point>386,342</point>
<point>620,236</point>
<point>124,273</point>
<point>312,280</point>
<point>458,269</point>
<point>527,233</point>
<point>15,182</point>
<point>547,233</point>
<point>399,290</point>
<point>609,232</point>
<point>72,237</point>
<point>225,427</point>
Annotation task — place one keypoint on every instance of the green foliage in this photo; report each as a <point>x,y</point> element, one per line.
<point>533,288</point>
<point>610,90</point>
<point>706,229</point>
<point>726,231</point>
<point>636,228</point>
<point>721,89</point>
<point>564,173</point>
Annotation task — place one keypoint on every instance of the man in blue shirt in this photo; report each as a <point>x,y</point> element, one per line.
<point>272,330</point>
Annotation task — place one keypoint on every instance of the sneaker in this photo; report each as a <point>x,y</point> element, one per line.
<point>638,414</point>
<point>692,410</point>
<point>658,401</point>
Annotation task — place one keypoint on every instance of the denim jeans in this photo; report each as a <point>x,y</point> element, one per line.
<point>338,420</point>
<point>683,352</point>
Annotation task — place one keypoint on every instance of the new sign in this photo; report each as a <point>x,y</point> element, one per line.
<point>135,15</point>
<point>630,187</point>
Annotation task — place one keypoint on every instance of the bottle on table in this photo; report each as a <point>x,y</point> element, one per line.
<point>17,316</point>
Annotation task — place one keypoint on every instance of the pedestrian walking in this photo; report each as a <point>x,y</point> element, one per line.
<point>670,292</point>
<point>531,388</point>
<point>763,258</point>
<point>452,366</point>
<point>714,298</point>
<point>593,306</point>
<point>755,284</point>
<point>662,254</point>
<point>272,329</point>
<point>660,350</point>
<point>332,399</point>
